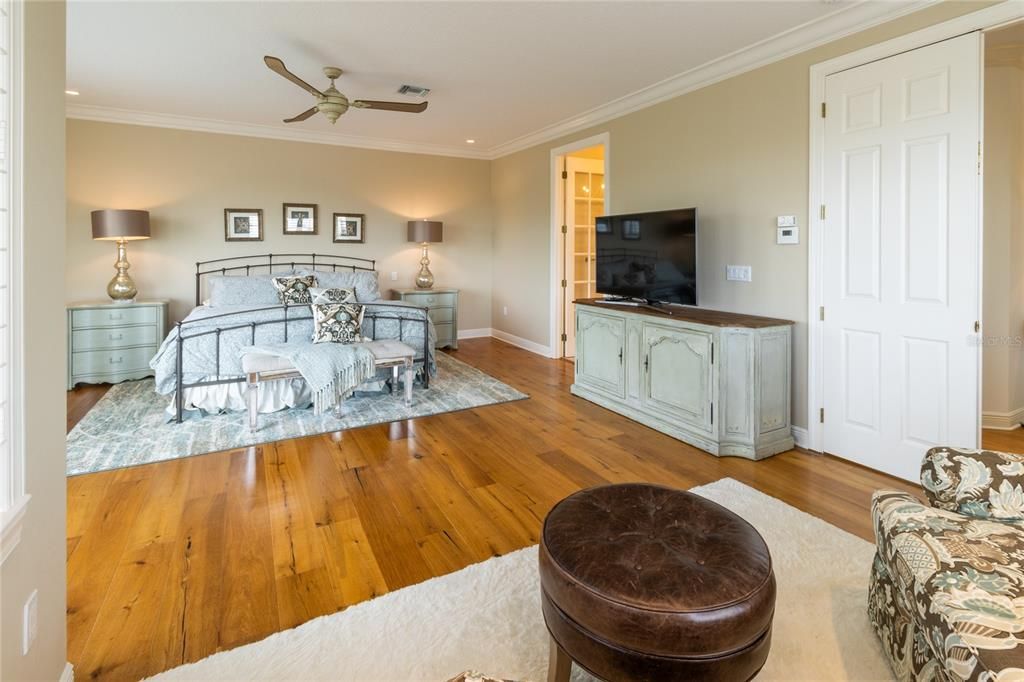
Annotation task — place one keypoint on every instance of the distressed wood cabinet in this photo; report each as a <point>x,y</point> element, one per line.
<point>113,342</point>
<point>719,381</point>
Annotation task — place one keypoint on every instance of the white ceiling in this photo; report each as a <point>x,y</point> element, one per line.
<point>498,70</point>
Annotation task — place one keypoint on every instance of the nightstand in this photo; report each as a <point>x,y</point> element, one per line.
<point>444,311</point>
<point>112,342</point>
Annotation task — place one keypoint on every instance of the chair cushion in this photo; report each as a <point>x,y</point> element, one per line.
<point>965,576</point>
<point>980,483</point>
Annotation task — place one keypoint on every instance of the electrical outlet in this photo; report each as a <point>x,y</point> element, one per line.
<point>504,311</point>
<point>394,276</point>
<point>738,273</point>
<point>30,622</point>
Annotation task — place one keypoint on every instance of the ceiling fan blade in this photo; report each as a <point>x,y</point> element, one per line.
<point>301,117</point>
<point>390,106</point>
<point>277,66</point>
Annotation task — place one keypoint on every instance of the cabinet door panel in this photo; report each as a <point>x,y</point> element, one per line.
<point>677,374</point>
<point>599,343</point>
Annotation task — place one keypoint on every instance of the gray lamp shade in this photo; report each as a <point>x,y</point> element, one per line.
<point>422,231</point>
<point>120,224</point>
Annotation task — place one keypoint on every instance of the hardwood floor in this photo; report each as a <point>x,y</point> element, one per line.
<point>173,561</point>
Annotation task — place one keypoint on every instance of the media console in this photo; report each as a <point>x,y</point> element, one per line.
<point>719,381</point>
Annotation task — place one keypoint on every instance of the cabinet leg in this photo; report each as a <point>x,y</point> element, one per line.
<point>559,663</point>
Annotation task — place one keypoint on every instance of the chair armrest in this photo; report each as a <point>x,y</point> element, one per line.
<point>983,484</point>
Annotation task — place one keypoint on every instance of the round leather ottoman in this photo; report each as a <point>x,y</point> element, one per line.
<point>643,582</point>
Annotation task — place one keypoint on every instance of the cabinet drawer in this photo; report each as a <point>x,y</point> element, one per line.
<point>432,300</point>
<point>108,361</point>
<point>113,317</point>
<point>92,339</point>
<point>442,315</point>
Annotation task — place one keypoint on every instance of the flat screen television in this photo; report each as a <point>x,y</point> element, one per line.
<point>648,256</point>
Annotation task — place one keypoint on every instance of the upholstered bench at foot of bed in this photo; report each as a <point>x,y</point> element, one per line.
<point>260,368</point>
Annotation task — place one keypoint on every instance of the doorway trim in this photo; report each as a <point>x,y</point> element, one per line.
<point>982,20</point>
<point>555,227</point>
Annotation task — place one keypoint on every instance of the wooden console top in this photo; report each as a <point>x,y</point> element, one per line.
<point>712,318</point>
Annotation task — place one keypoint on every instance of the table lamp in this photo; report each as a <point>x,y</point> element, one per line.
<point>423,232</point>
<point>121,226</point>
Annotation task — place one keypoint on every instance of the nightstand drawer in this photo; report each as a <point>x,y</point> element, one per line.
<point>111,361</point>
<point>432,300</point>
<point>444,332</point>
<point>442,315</point>
<point>91,339</point>
<point>112,317</point>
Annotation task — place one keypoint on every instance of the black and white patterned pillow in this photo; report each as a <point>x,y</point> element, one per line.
<point>294,290</point>
<point>336,295</point>
<point>337,322</point>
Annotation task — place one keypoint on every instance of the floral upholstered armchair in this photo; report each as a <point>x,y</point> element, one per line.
<point>947,584</point>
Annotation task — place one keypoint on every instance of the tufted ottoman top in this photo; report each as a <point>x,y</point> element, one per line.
<point>657,570</point>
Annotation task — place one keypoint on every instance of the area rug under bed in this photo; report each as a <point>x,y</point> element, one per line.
<point>128,426</point>
<point>487,617</point>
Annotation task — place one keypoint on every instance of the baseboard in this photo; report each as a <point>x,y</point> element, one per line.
<point>68,674</point>
<point>802,437</point>
<point>482,333</point>
<point>520,342</point>
<point>1002,421</point>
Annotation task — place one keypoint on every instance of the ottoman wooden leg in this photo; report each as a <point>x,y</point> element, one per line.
<point>559,663</point>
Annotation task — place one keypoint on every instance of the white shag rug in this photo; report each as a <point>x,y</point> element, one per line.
<point>487,617</point>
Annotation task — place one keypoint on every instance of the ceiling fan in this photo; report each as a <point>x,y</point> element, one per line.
<point>332,103</point>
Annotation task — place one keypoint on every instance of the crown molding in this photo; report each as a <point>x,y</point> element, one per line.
<point>808,36</point>
<point>831,27</point>
<point>87,112</point>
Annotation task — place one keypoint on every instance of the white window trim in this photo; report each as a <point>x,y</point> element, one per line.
<point>14,501</point>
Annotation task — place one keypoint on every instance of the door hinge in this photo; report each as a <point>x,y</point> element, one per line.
<point>564,338</point>
<point>564,284</point>
<point>565,175</point>
<point>824,109</point>
<point>712,413</point>
<point>977,327</point>
<point>565,229</point>
<point>712,353</point>
<point>821,313</point>
<point>821,415</point>
<point>823,211</point>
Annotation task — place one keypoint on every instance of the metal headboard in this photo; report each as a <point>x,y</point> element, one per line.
<point>317,261</point>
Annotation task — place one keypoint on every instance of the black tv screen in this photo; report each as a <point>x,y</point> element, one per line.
<point>650,256</point>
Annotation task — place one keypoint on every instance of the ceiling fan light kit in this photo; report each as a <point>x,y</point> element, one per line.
<point>332,103</point>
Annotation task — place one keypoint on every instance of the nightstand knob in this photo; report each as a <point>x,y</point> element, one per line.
<point>116,316</point>
<point>118,361</point>
<point>116,337</point>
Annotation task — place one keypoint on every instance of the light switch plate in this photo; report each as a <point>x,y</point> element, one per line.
<point>786,221</point>
<point>739,273</point>
<point>394,276</point>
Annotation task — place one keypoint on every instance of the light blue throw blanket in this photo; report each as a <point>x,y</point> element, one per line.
<point>332,370</point>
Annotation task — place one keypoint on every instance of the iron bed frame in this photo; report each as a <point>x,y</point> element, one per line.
<point>344,263</point>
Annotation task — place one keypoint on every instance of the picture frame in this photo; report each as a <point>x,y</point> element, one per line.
<point>631,229</point>
<point>243,224</point>
<point>349,228</point>
<point>603,225</point>
<point>299,218</point>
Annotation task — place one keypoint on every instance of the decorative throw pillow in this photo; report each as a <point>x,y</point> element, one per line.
<point>294,290</point>
<point>337,322</point>
<point>339,295</point>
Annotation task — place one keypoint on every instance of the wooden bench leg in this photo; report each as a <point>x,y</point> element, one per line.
<point>252,399</point>
<point>559,663</point>
<point>410,375</point>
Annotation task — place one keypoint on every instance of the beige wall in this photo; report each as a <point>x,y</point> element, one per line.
<point>37,563</point>
<point>737,150</point>
<point>187,179</point>
<point>1003,358</point>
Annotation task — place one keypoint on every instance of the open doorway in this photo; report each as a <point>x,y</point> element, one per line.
<point>581,195</point>
<point>1002,394</point>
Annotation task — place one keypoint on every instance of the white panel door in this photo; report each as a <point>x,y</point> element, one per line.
<point>901,240</point>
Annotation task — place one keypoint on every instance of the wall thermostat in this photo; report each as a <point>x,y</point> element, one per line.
<point>788,235</point>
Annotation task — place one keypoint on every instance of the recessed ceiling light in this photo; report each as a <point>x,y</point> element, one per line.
<point>471,141</point>
<point>73,93</point>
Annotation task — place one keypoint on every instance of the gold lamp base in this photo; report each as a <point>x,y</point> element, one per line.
<point>425,280</point>
<point>121,288</point>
